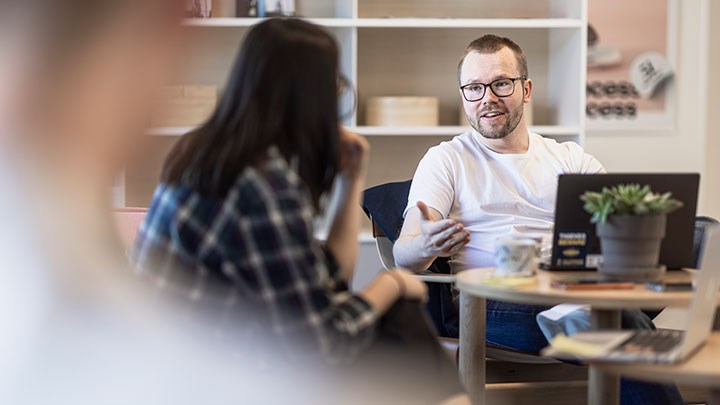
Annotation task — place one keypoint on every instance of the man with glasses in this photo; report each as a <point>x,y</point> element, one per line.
<point>497,180</point>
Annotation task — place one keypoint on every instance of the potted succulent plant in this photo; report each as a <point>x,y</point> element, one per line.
<point>630,222</point>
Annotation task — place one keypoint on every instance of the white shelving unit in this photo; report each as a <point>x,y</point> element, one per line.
<point>403,48</point>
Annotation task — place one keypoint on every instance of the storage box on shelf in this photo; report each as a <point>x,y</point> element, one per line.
<point>184,105</point>
<point>402,48</point>
<point>402,111</point>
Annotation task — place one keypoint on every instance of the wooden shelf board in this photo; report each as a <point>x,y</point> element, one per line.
<point>363,237</point>
<point>168,131</point>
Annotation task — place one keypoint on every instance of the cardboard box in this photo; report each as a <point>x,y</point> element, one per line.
<point>403,111</point>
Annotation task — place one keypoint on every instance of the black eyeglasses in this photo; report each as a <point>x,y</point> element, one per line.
<point>500,87</point>
<point>347,98</point>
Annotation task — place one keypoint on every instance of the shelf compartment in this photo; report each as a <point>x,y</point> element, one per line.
<point>447,130</point>
<point>481,9</point>
<point>248,22</point>
<point>387,66</point>
<point>402,22</point>
<point>468,23</point>
<point>452,130</point>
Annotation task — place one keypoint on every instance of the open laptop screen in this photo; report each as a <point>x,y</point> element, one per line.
<point>575,245</point>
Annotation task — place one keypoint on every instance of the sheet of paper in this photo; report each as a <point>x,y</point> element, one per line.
<point>559,311</point>
<point>564,344</point>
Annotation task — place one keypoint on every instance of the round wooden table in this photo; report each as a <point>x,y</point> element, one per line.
<point>700,370</point>
<point>606,307</point>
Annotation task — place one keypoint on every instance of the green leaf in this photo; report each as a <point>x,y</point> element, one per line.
<point>631,199</point>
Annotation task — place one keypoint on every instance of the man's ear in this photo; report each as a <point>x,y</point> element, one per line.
<point>527,90</point>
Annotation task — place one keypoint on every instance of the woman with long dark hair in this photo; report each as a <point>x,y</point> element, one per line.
<point>233,215</point>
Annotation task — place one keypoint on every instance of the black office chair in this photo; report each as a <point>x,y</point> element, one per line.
<point>384,206</point>
<point>701,224</point>
<point>509,372</point>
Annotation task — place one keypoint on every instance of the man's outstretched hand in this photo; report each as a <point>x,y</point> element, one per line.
<point>441,238</point>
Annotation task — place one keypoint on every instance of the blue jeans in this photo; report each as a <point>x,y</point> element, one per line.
<point>514,326</point>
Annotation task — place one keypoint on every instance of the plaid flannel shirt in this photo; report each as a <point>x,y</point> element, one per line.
<point>254,251</point>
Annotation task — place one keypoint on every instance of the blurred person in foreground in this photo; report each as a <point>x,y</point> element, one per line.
<point>233,218</point>
<point>76,327</point>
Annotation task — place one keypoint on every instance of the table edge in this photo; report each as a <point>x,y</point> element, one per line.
<point>660,300</point>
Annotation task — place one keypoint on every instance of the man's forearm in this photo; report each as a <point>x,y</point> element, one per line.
<point>409,254</point>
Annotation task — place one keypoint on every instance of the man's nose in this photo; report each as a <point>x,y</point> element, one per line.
<point>489,97</point>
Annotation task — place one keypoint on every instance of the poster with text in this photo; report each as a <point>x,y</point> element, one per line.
<point>631,54</point>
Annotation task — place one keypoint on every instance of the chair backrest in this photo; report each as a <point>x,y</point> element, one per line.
<point>384,205</point>
<point>128,222</point>
<point>701,225</point>
<point>385,251</point>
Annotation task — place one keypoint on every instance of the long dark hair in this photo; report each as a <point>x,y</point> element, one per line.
<point>282,91</point>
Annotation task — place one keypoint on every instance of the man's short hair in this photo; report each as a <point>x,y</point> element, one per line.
<point>492,43</point>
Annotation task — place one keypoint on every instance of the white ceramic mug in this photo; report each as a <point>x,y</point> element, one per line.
<point>515,257</point>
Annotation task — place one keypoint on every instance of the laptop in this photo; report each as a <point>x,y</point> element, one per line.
<point>575,245</point>
<point>664,346</point>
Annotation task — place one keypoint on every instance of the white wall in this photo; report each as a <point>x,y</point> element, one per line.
<point>712,149</point>
<point>687,148</point>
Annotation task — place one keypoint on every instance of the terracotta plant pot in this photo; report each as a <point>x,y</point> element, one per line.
<point>630,246</point>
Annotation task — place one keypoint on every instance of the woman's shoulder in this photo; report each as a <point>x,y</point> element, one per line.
<point>267,183</point>
<point>169,197</point>
<point>271,178</point>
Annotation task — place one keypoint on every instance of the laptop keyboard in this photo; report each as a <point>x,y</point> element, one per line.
<point>649,341</point>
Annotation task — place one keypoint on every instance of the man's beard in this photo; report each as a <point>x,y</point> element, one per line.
<point>512,120</point>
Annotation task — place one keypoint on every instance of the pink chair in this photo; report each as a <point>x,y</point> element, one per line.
<point>128,222</point>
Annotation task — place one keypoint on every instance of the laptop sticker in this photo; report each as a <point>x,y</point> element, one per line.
<point>572,249</point>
